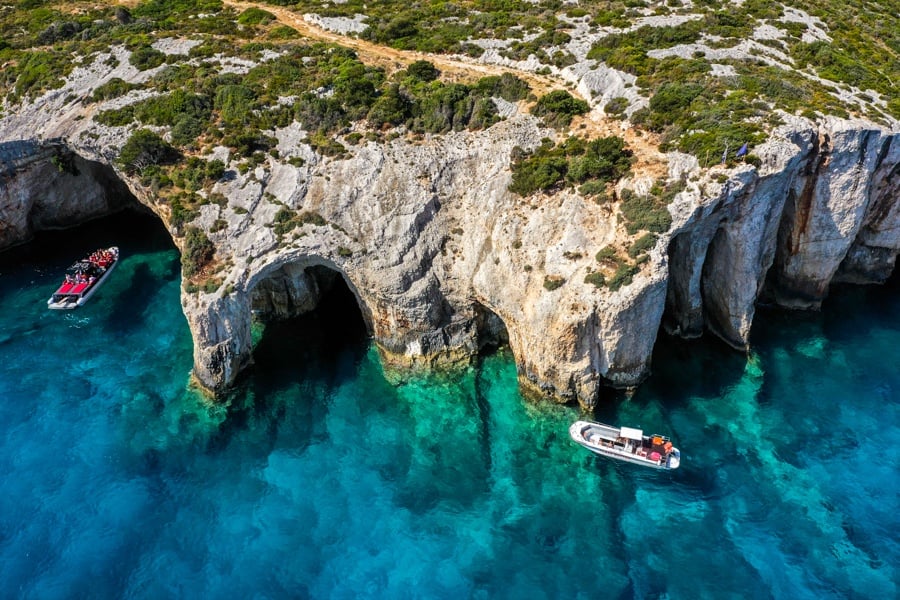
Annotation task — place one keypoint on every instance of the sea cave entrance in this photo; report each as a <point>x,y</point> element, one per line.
<point>307,319</point>
<point>491,332</point>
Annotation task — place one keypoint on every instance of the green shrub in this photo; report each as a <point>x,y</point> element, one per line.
<point>286,220</point>
<point>604,159</point>
<point>198,251</point>
<point>645,213</point>
<point>553,282</point>
<point>113,88</point>
<point>311,217</point>
<point>179,213</point>
<point>623,276</point>
<point>255,16</point>
<point>669,101</point>
<point>392,108</point>
<point>616,106</point>
<point>248,143</point>
<point>283,32</point>
<point>195,173</point>
<point>597,279</point>
<point>642,245</point>
<point>573,161</point>
<point>326,145</point>
<point>143,149</point>
<point>606,254</point>
<point>422,70</point>
<point>146,58</point>
<point>592,188</point>
<point>453,107</point>
<point>538,173</point>
<point>558,108</point>
<point>187,130</point>
<point>235,104</point>
<point>506,86</point>
<point>116,117</point>
<point>169,109</point>
<point>37,72</point>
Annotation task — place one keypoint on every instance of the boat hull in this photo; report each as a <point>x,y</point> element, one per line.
<point>599,439</point>
<point>73,301</point>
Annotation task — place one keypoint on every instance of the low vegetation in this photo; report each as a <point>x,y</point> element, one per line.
<point>553,282</point>
<point>287,220</point>
<point>558,108</point>
<point>614,271</point>
<point>191,103</point>
<point>197,252</point>
<point>575,161</point>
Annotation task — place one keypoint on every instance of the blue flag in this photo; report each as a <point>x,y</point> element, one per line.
<point>742,151</point>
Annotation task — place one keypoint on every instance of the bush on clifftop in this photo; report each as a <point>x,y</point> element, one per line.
<point>144,149</point>
<point>572,162</point>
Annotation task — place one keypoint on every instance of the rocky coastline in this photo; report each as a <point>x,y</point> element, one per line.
<point>444,260</point>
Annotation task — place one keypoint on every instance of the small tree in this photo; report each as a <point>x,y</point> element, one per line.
<point>143,149</point>
<point>422,70</point>
<point>559,107</point>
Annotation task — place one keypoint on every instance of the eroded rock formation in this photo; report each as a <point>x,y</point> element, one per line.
<point>46,186</point>
<point>443,259</point>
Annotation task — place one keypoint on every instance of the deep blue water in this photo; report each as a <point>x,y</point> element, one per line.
<point>321,479</point>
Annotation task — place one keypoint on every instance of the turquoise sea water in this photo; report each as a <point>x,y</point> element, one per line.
<point>321,479</point>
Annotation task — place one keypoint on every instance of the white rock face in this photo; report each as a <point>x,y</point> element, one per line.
<point>430,241</point>
<point>40,196</point>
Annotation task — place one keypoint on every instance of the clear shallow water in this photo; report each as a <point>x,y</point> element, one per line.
<point>323,480</point>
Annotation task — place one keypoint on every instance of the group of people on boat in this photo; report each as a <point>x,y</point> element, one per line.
<point>80,277</point>
<point>101,258</point>
<point>658,449</point>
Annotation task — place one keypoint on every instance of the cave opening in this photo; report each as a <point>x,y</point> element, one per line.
<point>48,187</point>
<point>306,319</point>
<point>491,332</point>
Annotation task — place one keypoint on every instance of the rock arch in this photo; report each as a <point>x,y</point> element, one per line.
<point>287,287</point>
<point>297,286</point>
<point>46,185</point>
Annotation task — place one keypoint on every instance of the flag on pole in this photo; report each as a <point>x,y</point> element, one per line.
<point>742,151</point>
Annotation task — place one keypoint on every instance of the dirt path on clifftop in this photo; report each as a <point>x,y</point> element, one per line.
<point>393,60</point>
<point>650,161</point>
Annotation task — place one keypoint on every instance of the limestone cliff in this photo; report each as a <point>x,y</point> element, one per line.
<point>438,252</point>
<point>46,186</point>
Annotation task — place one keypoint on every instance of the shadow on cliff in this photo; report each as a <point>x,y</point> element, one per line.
<point>845,314</point>
<point>681,369</point>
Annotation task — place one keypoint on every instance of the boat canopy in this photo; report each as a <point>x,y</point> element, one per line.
<point>631,434</point>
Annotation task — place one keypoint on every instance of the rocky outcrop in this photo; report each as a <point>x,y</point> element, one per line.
<point>46,186</point>
<point>834,194</point>
<point>821,207</point>
<point>435,240</point>
<point>444,260</point>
